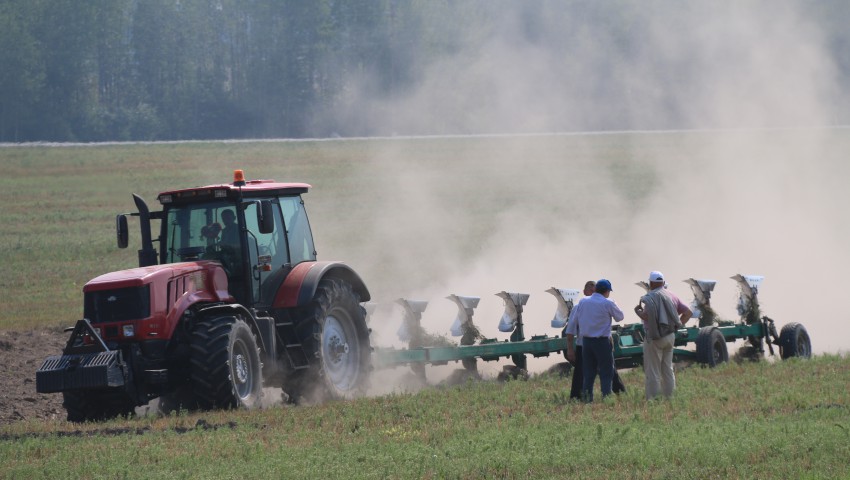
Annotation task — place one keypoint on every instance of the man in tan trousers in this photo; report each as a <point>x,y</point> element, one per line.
<point>662,313</point>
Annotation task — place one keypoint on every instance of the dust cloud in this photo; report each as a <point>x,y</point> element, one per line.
<point>756,185</point>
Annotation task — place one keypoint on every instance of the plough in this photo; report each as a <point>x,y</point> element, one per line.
<point>709,336</point>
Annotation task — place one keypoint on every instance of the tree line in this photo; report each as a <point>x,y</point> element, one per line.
<point>94,70</point>
<point>113,70</point>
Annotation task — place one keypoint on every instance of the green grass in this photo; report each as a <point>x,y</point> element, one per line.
<point>755,420</point>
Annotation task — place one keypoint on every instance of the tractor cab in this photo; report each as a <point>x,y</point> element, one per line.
<point>257,230</point>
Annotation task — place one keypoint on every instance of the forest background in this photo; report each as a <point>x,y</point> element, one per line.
<point>130,70</point>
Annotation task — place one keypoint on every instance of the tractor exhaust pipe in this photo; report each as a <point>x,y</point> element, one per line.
<point>147,255</point>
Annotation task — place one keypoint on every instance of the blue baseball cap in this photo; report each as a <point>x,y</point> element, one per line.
<point>603,285</point>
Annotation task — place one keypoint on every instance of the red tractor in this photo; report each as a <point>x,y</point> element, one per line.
<point>234,300</point>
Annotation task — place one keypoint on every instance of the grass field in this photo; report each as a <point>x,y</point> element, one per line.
<point>755,420</point>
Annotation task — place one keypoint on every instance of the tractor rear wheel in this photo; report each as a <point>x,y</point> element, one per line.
<point>225,365</point>
<point>711,347</point>
<point>794,341</point>
<point>340,341</point>
<point>85,405</point>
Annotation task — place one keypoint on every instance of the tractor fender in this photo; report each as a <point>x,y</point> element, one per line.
<point>202,283</point>
<point>301,283</point>
<point>239,310</point>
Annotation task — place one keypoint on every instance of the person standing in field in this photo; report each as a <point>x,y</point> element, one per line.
<point>593,318</point>
<point>574,351</point>
<point>662,313</point>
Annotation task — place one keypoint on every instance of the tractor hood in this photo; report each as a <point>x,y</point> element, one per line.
<point>205,275</point>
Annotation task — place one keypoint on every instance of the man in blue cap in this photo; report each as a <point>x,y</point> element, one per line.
<point>574,349</point>
<point>593,316</point>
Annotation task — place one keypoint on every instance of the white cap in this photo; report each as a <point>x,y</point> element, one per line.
<point>656,276</point>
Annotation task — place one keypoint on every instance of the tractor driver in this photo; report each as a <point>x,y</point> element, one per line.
<point>230,232</point>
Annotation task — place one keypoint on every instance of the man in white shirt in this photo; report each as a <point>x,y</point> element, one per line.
<point>574,353</point>
<point>593,317</point>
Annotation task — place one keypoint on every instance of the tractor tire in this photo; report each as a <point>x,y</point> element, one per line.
<point>794,341</point>
<point>339,341</point>
<point>96,405</point>
<point>711,347</point>
<point>225,366</point>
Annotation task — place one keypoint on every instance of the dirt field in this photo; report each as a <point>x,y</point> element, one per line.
<point>21,353</point>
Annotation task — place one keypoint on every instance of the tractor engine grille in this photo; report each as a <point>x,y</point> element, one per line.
<point>118,305</point>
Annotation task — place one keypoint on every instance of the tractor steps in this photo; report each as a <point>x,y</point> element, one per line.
<point>292,347</point>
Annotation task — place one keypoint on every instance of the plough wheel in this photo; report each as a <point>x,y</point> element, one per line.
<point>794,341</point>
<point>711,347</point>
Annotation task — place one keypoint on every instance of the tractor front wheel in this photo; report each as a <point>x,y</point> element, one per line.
<point>794,341</point>
<point>226,371</point>
<point>711,347</point>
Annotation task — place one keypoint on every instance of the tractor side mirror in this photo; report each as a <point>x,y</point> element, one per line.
<point>265,217</point>
<point>121,230</point>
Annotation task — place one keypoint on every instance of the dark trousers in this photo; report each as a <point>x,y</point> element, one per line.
<point>598,358</point>
<point>577,384</point>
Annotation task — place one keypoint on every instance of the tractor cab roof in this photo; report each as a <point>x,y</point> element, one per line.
<point>247,189</point>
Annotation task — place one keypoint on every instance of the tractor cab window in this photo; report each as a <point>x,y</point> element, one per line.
<point>301,247</point>
<point>196,232</point>
<point>266,251</point>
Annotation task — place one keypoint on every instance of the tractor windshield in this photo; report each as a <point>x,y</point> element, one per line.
<point>192,231</point>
